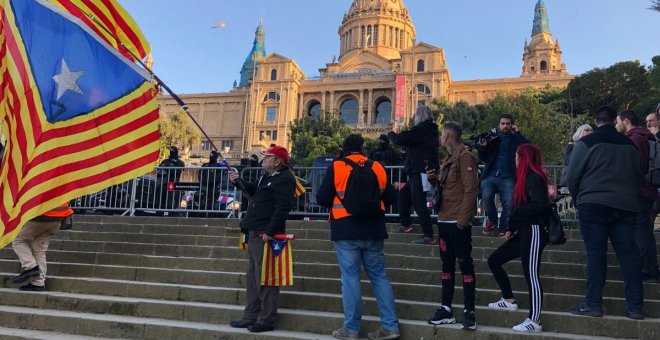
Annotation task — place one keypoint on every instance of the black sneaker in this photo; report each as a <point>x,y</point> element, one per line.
<point>441,316</point>
<point>259,328</point>
<point>26,274</point>
<point>588,311</point>
<point>404,229</point>
<point>32,288</point>
<point>634,315</point>
<point>242,323</point>
<point>426,240</point>
<point>469,321</point>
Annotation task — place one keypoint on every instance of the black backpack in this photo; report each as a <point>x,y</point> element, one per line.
<point>556,235</point>
<point>362,195</point>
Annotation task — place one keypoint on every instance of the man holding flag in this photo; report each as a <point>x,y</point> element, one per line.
<point>78,113</point>
<point>268,209</point>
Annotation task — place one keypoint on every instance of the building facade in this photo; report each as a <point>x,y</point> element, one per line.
<point>381,75</point>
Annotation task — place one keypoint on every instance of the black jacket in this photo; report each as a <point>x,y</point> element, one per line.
<point>422,141</point>
<point>352,227</point>
<point>535,210</point>
<point>605,169</point>
<point>488,154</point>
<point>270,203</point>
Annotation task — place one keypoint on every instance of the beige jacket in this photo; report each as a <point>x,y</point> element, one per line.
<point>460,187</point>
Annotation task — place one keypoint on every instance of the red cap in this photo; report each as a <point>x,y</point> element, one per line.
<point>278,152</point>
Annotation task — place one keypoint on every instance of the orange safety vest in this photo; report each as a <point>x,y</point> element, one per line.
<point>62,211</point>
<point>341,173</point>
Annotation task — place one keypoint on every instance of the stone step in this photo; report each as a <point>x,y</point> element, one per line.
<point>28,334</point>
<point>127,327</point>
<point>295,319</point>
<point>559,269</point>
<point>572,253</point>
<point>70,264</point>
<point>487,291</point>
<point>210,226</point>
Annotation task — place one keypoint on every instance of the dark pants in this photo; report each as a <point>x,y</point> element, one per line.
<point>597,223</point>
<point>414,191</point>
<point>645,240</point>
<point>527,245</point>
<point>456,244</point>
<point>261,300</point>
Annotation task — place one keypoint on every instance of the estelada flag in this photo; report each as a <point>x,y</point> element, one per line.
<point>277,264</point>
<point>78,115</point>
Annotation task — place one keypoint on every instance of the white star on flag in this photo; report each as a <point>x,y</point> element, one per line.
<point>67,80</point>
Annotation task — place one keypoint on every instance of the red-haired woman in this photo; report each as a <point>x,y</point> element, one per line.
<point>526,236</point>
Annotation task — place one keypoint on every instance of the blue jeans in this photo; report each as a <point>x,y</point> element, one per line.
<point>351,255</point>
<point>504,186</point>
<point>597,223</point>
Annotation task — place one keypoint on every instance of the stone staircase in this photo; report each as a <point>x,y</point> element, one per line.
<point>176,278</point>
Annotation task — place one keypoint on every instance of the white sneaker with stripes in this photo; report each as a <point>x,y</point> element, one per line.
<point>504,305</point>
<point>528,326</point>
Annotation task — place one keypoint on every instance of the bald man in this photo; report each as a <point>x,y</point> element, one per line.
<point>652,122</point>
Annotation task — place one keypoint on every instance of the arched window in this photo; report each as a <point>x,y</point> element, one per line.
<point>273,74</point>
<point>369,36</point>
<point>544,65</point>
<point>272,96</point>
<point>420,65</point>
<point>423,89</point>
<point>348,111</point>
<point>383,114</point>
<point>363,32</point>
<point>314,109</point>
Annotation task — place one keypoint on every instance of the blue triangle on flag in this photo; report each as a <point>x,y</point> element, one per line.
<point>277,246</point>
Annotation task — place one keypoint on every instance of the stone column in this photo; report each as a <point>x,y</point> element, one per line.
<point>323,101</point>
<point>301,102</point>
<point>331,107</point>
<point>361,107</point>
<point>370,111</point>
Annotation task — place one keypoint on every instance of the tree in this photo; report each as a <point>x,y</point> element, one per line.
<point>539,122</point>
<point>621,86</point>
<point>461,112</point>
<point>177,130</point>
<point>314,136</point>
<point>655,5</point>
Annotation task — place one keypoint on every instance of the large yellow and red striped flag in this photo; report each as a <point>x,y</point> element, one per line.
<point>112,22</point>
<point>277,264</point>
<point>77,114</point>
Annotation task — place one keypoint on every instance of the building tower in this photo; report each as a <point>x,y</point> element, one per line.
<point>542,56</point>
<point>257,53</point>
<point>380,26</point>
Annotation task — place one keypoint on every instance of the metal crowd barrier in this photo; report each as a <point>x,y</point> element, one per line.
<point>208,192</point>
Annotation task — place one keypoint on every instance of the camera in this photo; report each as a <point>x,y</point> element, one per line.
<point>485,137</point>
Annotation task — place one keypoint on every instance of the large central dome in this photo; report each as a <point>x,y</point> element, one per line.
<point>390,5</point>
<point>380,26</point>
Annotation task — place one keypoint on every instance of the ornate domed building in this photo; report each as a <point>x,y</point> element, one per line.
<point>382,73</point>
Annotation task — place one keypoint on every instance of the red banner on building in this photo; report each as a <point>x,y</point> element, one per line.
<point>400,110</point>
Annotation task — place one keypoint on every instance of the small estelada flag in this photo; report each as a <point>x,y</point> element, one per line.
<point>243,241</point>
<point>277,264</point>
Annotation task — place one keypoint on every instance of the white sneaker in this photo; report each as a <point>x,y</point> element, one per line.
<point>503,305</point>
<point>528,326</point>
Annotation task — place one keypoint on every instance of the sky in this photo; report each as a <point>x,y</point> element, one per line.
<point>482,39</point>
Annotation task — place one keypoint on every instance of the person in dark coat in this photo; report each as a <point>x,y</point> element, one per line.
<point>168,173</point>
<point>499,174</point>
<point>269,205</point>
<point>422,142</point>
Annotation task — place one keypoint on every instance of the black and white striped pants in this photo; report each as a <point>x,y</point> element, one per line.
<point>527,244</point>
